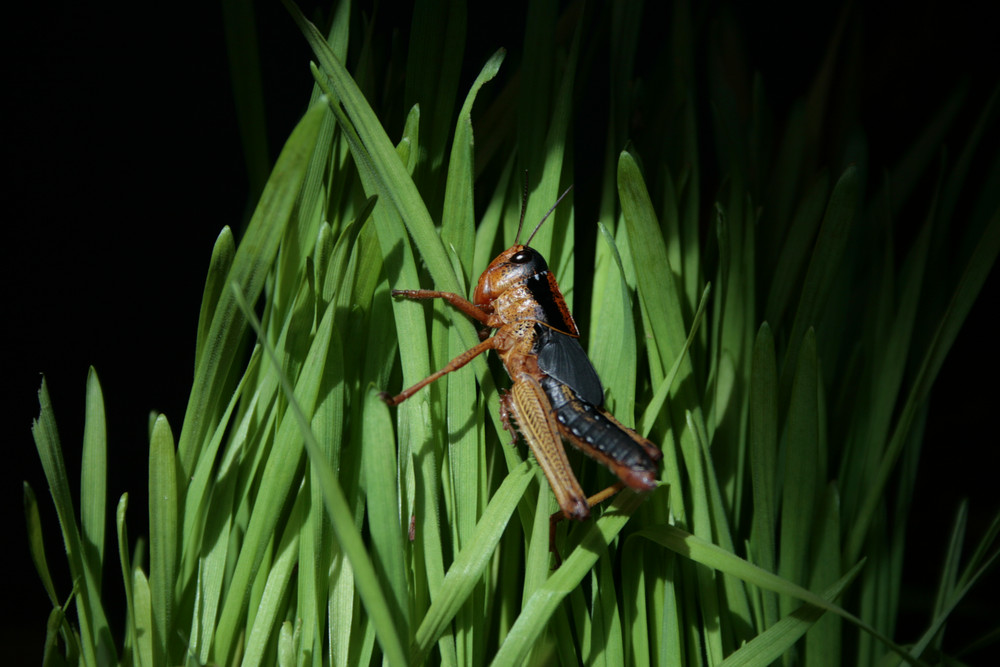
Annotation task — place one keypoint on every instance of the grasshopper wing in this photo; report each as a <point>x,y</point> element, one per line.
<point>562,357</point>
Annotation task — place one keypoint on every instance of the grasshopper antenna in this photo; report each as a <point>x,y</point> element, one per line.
<point>544,217</point>
<point>524,207</point>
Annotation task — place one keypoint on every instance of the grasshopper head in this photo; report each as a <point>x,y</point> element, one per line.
<point>512,268</point>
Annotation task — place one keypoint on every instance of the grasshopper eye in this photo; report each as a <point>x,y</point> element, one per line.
<point>521,258</point>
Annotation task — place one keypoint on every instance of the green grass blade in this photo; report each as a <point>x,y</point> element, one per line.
<point>377,157</point>
<point>796,249</point>
<point>763,457</point>
<point>95,637</point>
<point>607,642</point>
<point>824,642</point>
<point>333,495</point>
<point>465,455</point>
<point>709,586</point>
<point>433,67</point>
<point>196,514</point>
<point>771,644</point>
<point>659,294</point>
<point>542,146</point>
<point>801,476</point>
<point>612,346</point>
<point>36,544</point>
<point>663,389</point>
<point>93,479</point>
<point>458,216</point>
<point>143,615</point>
<point>944,611</point>
<point>382,495</point>
<point>709,555</point>
<point>249,268</point>
<point>545,600</point>
<point>53,629</point>
<point>271,607</point>
<point>467,568</point>
<point>163,537</point>
<point>536,559</point>
<point>978,267</point>
<point>126,567</point>
<point>223,254</point>
<point>279,470</point>
<point>824,263</point>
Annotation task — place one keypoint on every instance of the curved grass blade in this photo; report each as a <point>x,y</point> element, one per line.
<point>467,568</point>
<point>537,611</point>
<point>824,263</point>
<point>95,635</point>
<point>36,543</point>
<point>774,642</point>
<point>250,265</point>
<point>336,504</point>
<point>458,216</point>
<point>978,267</point>
<point>710,555</point>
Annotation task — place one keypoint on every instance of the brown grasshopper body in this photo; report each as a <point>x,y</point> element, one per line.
<point>555,394</point>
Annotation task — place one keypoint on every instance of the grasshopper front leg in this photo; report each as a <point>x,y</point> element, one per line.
<point>466,307</point>
<point>452,365</point>
<point>463,304</point>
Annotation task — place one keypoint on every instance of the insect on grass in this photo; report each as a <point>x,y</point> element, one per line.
<point>556,394</point>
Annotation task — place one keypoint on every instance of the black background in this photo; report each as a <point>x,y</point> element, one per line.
<point>124,163</point>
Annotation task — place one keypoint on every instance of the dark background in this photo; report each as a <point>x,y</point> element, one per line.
<point>124,162</point>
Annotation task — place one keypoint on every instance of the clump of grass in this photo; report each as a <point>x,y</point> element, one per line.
<point>295,519</point>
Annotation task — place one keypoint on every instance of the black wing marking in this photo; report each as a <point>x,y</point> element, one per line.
<point>595,428</point>
<point>560,356</point>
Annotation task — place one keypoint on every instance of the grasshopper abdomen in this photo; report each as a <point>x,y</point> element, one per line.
<point>602,437</point>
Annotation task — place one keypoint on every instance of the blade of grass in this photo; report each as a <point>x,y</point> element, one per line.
<point>433,66</point>
<point>93,479</point>
<point>143,615</point>
<point>763,457</point>
<point>131,621</point>
<point>823,264</point>
<point>707,554</point>
<point>978,267</point>
<point>824,642</point>
<point>95,636</point>
<point>795,249</point>
<point>381,494</point>
<point>376,156</point>
<point>36,544</point>
<point>338,508</point>
<point>223,254</point>
<point>249,269</point>
<point>163,536</point>
<point>801,478</point>
<point>612,346</point>
<point>539,608</point>
<point>469,564</point>
<point>458,215</point>
<point>771,644</point>
<point>260,636</point>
